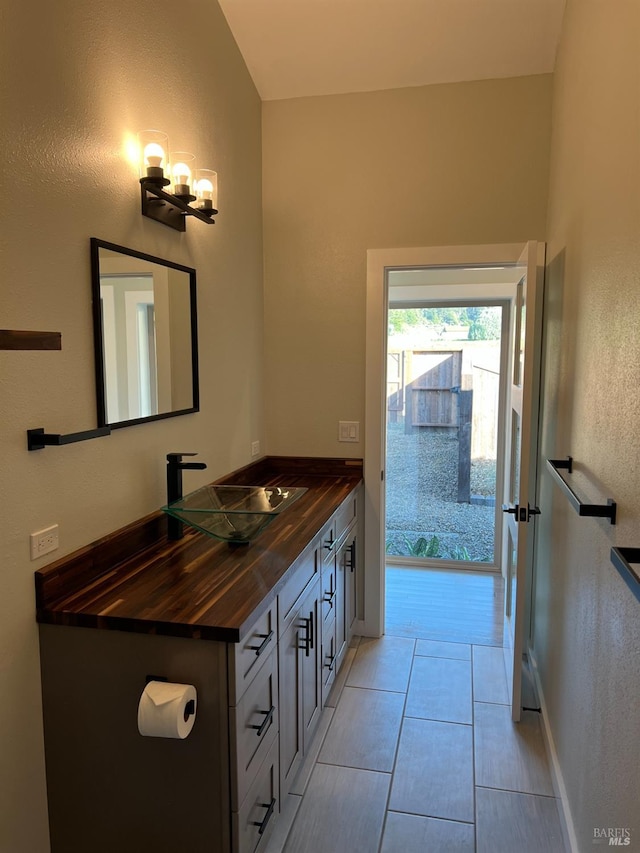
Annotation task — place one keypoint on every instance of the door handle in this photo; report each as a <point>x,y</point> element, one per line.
<point>522,513</point>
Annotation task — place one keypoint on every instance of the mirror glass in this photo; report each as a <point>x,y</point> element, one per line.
<point>145,332</point>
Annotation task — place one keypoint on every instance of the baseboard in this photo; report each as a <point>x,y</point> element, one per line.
<point>566,820</point>
<point>361,629</point>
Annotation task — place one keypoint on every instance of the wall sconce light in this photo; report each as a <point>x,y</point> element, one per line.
<point>158,169</point>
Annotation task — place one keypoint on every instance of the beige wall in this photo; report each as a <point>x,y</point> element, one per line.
<point>587,623</point>
<point>429,166</point>
<point>78,79</point>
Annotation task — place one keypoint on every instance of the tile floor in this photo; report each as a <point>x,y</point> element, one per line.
<point>416,752</point>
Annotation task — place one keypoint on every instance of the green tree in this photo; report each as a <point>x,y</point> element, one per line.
<point>487,326</point>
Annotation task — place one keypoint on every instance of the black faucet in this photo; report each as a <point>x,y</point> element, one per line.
<point>175,467</point>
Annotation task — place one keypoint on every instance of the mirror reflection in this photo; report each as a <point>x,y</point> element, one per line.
<point>144,311</point>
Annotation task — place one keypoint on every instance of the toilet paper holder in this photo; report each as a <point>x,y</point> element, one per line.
<point>189,708</point>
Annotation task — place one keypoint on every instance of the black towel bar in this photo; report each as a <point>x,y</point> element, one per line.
<point>607,510</point>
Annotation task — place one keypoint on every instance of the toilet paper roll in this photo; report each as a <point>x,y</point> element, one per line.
<point>167,709</point>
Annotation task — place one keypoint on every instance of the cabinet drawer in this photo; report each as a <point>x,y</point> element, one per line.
<point>247,656</point>
<point>253,726</point>
<point>252,823</point>
<point>344,516</point>
<point>305,568</point>
<point>328,541</point>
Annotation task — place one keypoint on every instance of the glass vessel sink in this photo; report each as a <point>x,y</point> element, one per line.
<point>233,513</point>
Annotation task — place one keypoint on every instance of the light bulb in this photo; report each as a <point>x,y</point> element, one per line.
<point>154,145</point>
<point>181,174</point>
<point>206,189</point>
<point>153,155</point>
<point>182,168</point>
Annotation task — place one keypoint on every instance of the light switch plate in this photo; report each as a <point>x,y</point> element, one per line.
<point>348,430</point>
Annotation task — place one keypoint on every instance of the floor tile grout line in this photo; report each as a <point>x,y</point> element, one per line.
<point>353,767</point>
<point>395,756</point>
<point>514,791</point>
<point>432,817</point>
<point>436,720</point>
<point>376,689</point>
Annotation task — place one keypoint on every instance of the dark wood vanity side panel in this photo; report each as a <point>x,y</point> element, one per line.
<point>109,788</point>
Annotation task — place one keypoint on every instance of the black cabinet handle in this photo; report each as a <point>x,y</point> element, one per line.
<point>307,639</point>
<point>350,556</point>
<point>328,597</point>
<point>328,545</point>
<point>259,649</point>
<point>262,825</point>
<point>331,661</point>
<point>263,725</point>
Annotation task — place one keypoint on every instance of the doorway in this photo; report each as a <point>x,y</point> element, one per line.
<point>486,266</point>
<point>445,425</point>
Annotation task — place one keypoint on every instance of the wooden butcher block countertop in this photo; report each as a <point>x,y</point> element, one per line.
<point>137,580</point>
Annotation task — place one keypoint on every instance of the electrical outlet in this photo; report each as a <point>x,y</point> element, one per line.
<point>44,541</point>
<point>255,448</point>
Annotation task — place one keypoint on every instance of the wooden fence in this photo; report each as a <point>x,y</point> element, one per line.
<point>429,389</point>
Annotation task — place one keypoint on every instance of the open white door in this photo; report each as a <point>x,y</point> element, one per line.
<point>520,467</point>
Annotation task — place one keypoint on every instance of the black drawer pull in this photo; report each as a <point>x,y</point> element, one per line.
<point>306,642</point>
<point>262,825</point>
<point>328,597</point>
<point>350,556</point>
<point>328,545</point>
<point>263,725</point>
<point>259,649</point>
<point>311,633</point>
<point>331,662</point>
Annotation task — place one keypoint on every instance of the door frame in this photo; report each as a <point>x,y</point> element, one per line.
<point>379,263</point>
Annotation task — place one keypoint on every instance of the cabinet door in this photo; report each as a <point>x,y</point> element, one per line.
<point>310,614</point>
<point>341,601</point>
<point>329,662</point>
<point>290,691</point>
<point>350,563</point>
<point>300,686</point>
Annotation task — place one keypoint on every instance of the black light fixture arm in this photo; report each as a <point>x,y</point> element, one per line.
<point>170,209</point>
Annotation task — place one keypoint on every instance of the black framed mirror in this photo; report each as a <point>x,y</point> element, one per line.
<point>145,336</point>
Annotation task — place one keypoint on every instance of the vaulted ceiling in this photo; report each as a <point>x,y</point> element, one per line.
<point>296,48</point>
